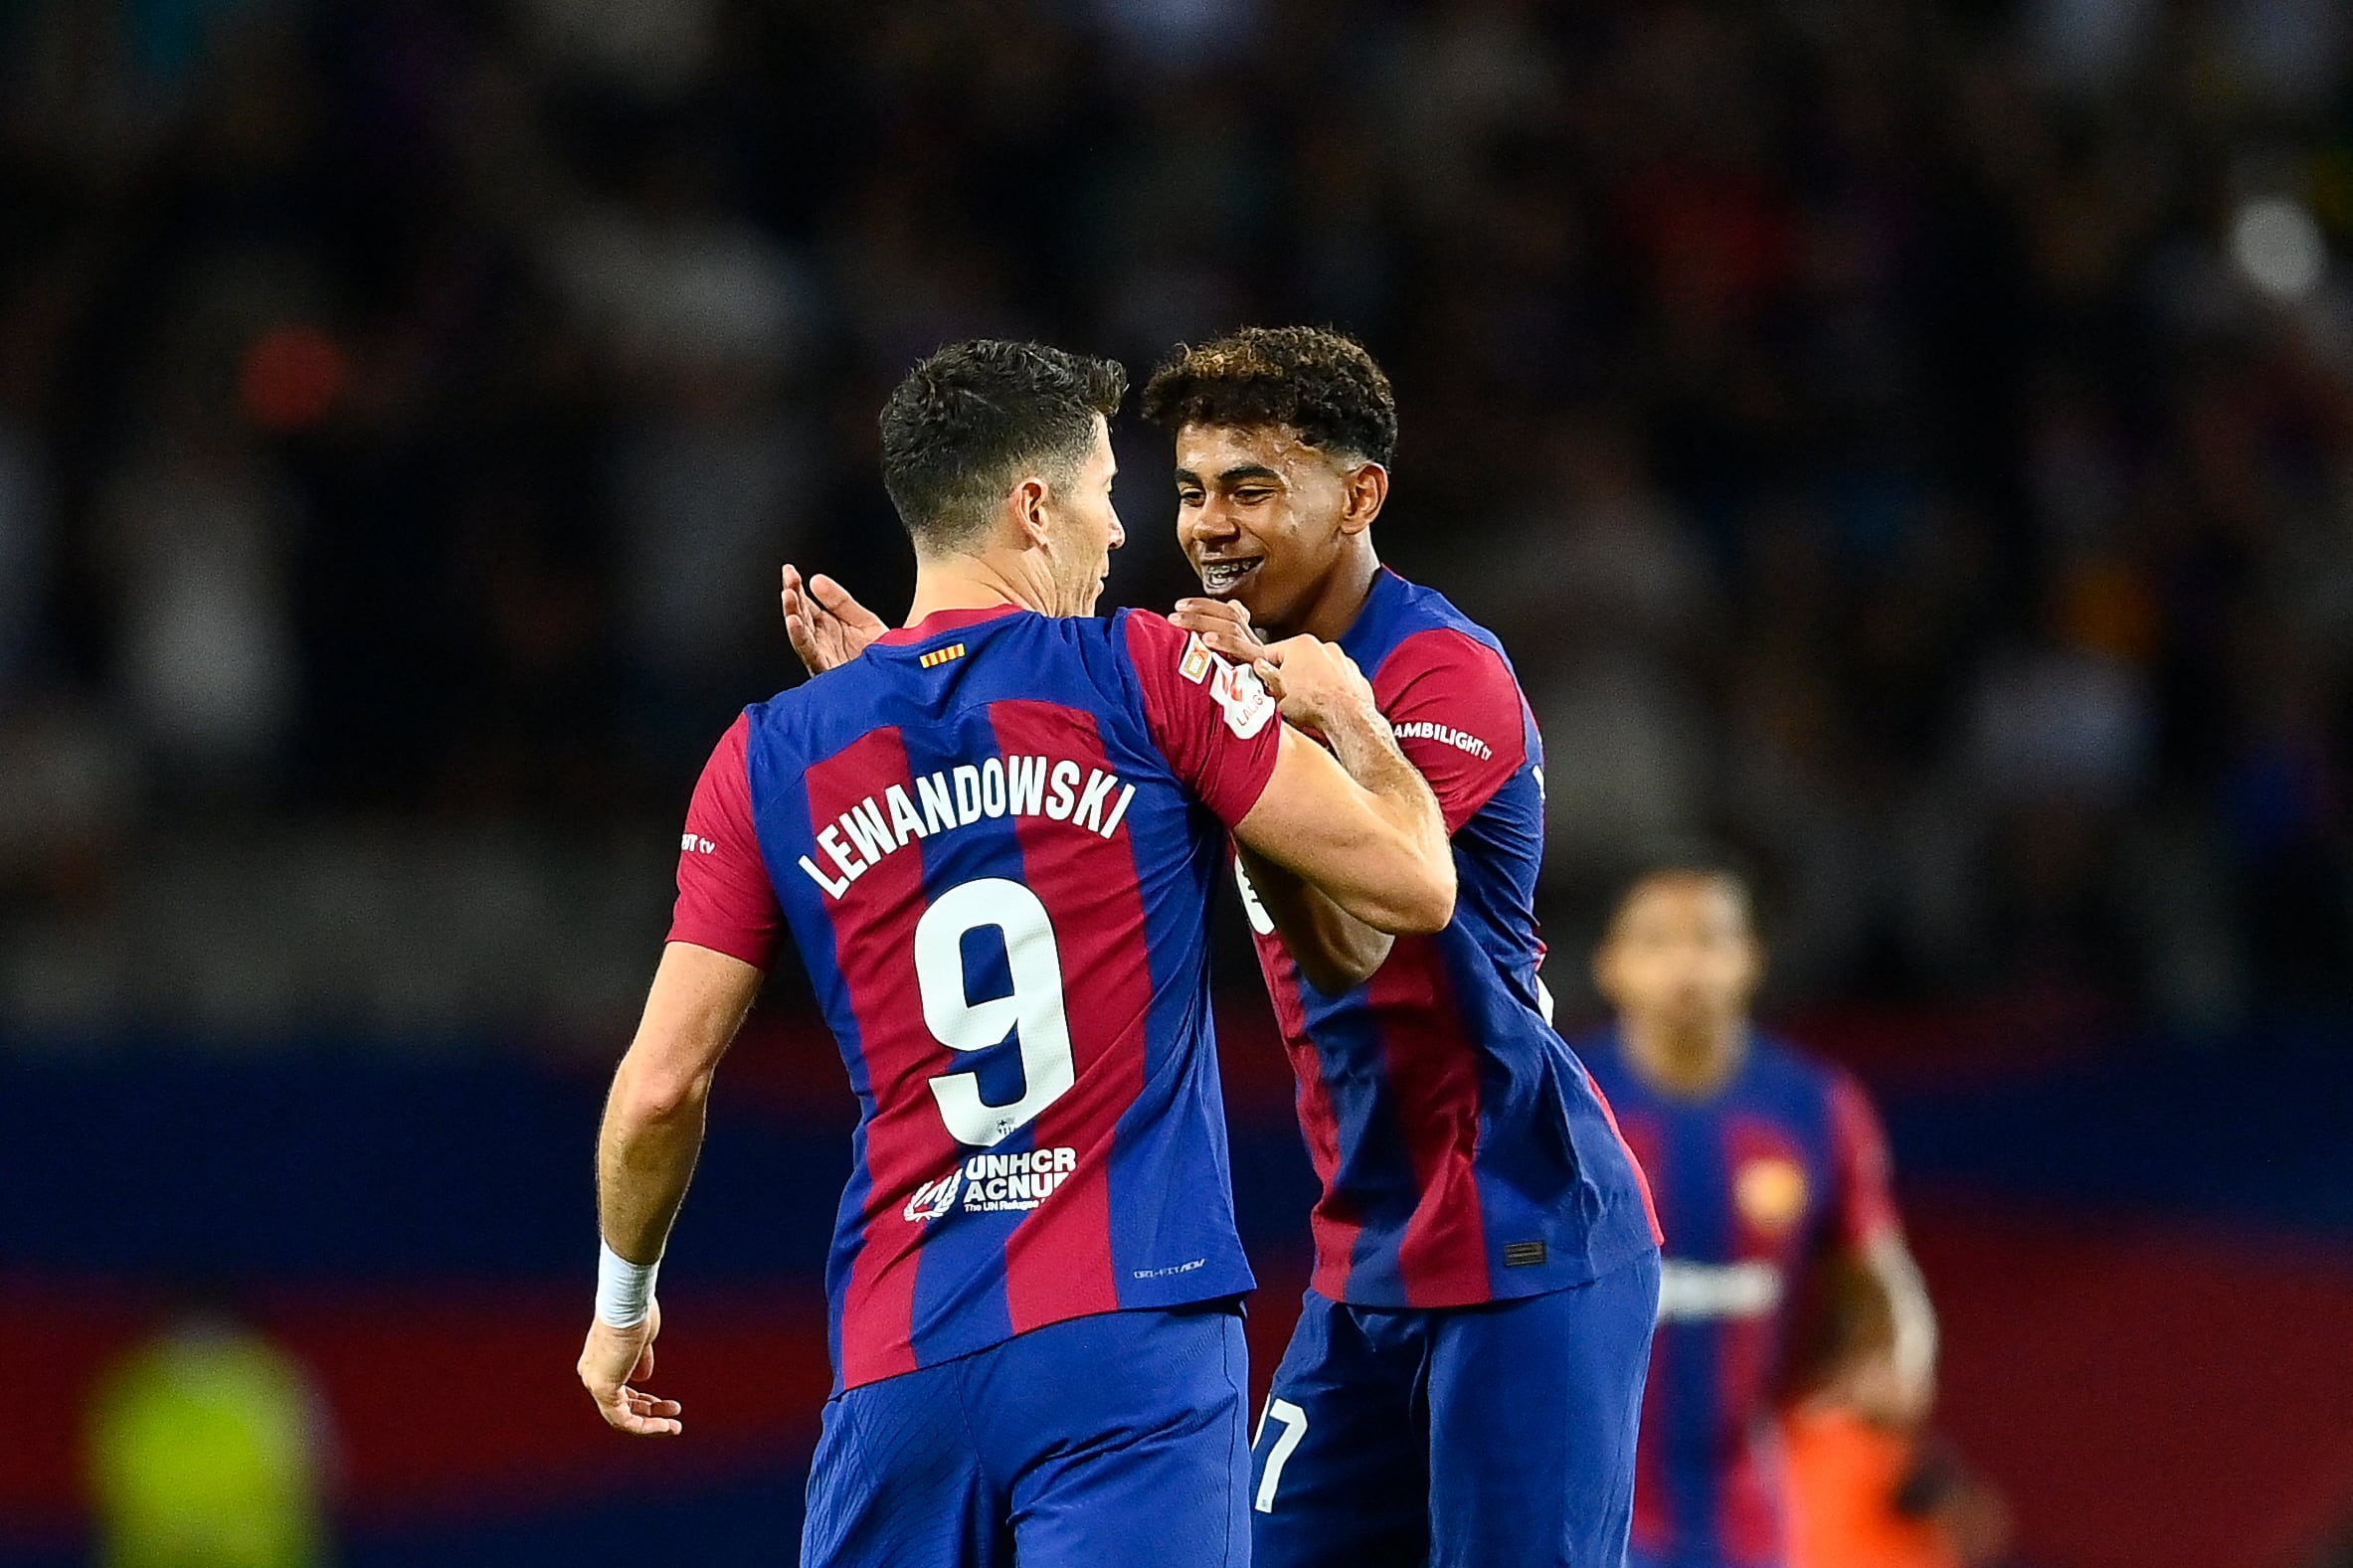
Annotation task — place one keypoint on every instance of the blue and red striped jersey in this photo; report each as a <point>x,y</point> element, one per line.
<point>994,837</point>
<point>1464,1153</point>
<point>1780,1167</point>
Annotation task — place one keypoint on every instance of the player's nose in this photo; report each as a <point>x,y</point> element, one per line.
<point>1212,523</point>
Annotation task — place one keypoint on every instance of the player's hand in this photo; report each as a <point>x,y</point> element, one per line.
<point>1223,625</point>
<point>612,1360</point>
<point>1317,686</point>
<point>828,627</point>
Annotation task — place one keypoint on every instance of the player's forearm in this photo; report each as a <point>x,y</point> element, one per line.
<point>1335,951</point>
<point>653,1117</point>
<point>1911,1316</point>
<point>1402,801</point>
<point>646,1157</point>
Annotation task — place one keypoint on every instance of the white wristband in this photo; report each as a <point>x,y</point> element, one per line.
<point>624,1290</point>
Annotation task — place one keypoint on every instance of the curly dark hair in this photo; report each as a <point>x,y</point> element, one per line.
<point>1318,380</point>
<point>968,421</point>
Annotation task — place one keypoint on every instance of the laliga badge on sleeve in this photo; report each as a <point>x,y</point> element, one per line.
<point>1244,696</point>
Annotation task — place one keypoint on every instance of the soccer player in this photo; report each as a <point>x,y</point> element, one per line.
<point>1771,1176</point>
<point>1466,1376</point>
<point>992,838</point>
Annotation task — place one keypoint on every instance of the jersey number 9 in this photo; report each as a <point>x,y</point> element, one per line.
<point>1034,1009</point>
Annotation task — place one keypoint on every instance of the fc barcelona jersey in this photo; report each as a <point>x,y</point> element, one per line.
<point>1466,1156</point>
<point>1754,1184</point>
<point>993,838</point>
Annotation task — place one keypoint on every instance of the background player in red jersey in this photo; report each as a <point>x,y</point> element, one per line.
<point>993,836</point>
<point>1771,1176</point>
<point>1466,1376</point>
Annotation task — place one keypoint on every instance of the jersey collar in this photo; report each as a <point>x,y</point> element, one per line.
<point>940,621</point>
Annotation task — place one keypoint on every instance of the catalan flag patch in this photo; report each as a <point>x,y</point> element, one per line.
<point>939,657</point>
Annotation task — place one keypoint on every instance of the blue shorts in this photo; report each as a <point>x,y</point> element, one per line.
<point>1116,1439</point>
<point>1457,1436</point>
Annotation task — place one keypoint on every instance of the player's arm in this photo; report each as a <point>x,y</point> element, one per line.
<point>1358,823</point>
<point>646,1155</point>
<point>1334,950</point>
<point>1881,1358</point>
<point>722,934</point>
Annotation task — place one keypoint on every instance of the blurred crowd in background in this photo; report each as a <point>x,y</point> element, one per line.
<point>1911,442</point>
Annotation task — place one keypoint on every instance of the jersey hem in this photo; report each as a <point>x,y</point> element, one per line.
<point>1226,1290</point>
<point>1566,1275</point>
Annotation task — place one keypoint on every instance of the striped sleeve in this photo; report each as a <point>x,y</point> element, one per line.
<point>725,901</point>
<point>1457,712</point>
<point>1213,722</point>
<point>1859,1153</point>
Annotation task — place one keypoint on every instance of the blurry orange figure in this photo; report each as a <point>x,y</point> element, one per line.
<point>1864,1497</point>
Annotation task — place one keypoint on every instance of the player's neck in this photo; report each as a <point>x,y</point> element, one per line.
<point>975,583</point>
<point>1339,597</point>
<point>1690,1064</point>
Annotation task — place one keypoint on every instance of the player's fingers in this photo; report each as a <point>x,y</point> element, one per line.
<point>1270,673</point>
<point>1225,641</point>
<point>645,1404</point>
<point>645,1366</point>
<point>1219,610</point>
<point>622,1418</point>
<point>835,600</point>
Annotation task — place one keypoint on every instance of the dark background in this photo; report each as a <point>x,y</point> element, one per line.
<point>1911,442</point>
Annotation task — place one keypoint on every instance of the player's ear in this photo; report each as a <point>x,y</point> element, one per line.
<point>1026,507</point>
<point>1367,491</point>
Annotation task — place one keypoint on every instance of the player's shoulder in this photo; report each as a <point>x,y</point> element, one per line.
<point>1797,1072</point>
<point>1410,630</point>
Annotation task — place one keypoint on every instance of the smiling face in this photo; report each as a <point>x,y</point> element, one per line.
<point>1084,528</point>
<point>1262,516</point>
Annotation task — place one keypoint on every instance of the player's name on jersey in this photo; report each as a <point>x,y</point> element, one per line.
<point>1059,790</point>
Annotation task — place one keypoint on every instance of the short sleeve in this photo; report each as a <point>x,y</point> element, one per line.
<point>725,901</point>
<point>1456,711</point>
<point>1859,1151</point>
<point>1214,722</point>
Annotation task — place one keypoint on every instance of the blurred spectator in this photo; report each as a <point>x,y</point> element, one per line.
<point>194,536</point>
<point>209,1449</point>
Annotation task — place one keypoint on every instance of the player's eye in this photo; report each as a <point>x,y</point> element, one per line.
<point>1252,497</point>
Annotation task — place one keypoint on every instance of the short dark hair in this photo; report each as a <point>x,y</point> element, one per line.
<point>968,420</point>
<point>1697,861</point>
<point>1318,380</point>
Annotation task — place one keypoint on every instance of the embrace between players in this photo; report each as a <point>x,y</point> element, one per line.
<point>993,835</point>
